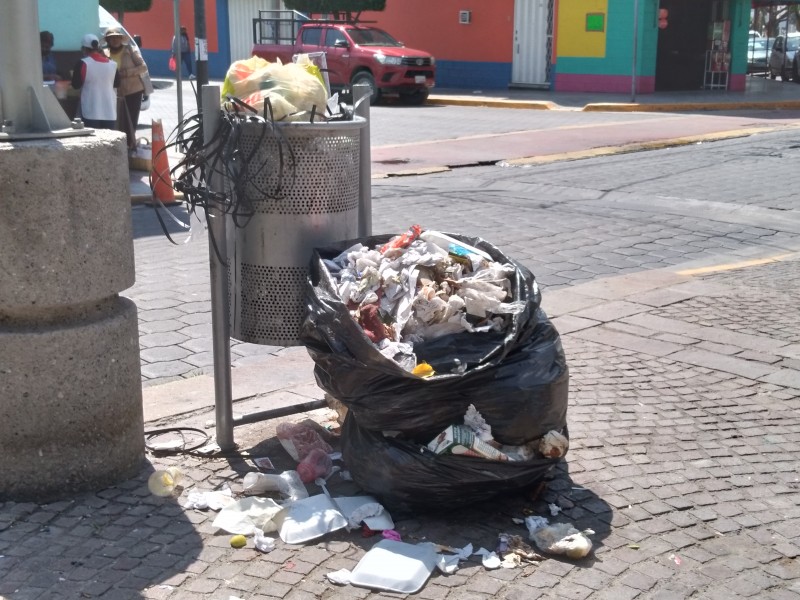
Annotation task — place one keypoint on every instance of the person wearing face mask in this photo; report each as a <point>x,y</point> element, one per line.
<point>133,71</point>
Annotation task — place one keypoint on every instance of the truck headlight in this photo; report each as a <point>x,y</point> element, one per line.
<point>388,60</point>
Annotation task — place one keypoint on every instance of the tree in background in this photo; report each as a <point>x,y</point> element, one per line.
<point>122,6</point>
<point>767,19</point>
<point>338,9</point>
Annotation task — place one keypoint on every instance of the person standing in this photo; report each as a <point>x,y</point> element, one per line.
<point>132,71</point>
<point>183,47</point>
<point>49,68</point>
<point>96,76</point>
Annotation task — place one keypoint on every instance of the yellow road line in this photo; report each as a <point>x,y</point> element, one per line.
<point>736,265</point>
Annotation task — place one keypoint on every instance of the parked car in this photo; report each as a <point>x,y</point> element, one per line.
<point>354,54</point>
<point>758,54</point>
<point>782,58</point>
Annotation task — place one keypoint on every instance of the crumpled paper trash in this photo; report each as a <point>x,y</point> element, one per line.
<point>371,509</point>
<point>262,542</point>
<point>209,500</point>
<point>422,285</point>
<point>554,444</point>
<point>248,514</point>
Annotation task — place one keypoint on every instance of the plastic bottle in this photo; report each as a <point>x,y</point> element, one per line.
<point>317,464</point>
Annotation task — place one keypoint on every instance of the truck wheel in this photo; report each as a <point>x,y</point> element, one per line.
<point>365,77</point>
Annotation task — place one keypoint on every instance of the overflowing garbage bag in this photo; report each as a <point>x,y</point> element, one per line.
<point>293,90</point>
<point>407,476</point>
<point>410,333</point>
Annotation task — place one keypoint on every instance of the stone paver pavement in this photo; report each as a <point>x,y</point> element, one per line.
<point>684,460</point>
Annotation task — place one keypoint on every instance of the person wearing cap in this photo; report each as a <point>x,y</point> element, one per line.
<point>132,71</point>
<point>96,76</point>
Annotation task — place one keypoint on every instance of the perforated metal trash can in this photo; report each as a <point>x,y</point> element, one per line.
<point>318,204</point>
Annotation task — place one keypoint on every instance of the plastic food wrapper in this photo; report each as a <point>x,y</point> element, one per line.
<point>513,369</point>
<point>461,440</point>
<point>299,440</point>
<point>248,514</point>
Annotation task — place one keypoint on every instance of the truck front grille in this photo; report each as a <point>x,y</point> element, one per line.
<point>416,62</point>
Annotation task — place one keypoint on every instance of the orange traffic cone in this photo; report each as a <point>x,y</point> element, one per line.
<point>160,180</point>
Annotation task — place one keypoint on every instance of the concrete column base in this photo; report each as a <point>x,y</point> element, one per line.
<point>72,403</point>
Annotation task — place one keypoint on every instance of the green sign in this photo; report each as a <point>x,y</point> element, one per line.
<point>596,22</point>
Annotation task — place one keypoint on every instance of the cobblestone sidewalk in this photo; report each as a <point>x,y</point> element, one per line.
<point>685,436</point>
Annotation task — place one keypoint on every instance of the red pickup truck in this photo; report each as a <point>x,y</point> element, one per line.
<point>354,53</point>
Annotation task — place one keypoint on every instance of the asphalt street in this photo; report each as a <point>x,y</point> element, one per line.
<point>672,276</point>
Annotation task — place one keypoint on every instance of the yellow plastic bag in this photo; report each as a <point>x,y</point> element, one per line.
<point>293,89</point>
<point>239,72</point>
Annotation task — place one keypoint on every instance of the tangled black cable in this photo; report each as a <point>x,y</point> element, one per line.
<point>224,173</point>
<point>185,447</point>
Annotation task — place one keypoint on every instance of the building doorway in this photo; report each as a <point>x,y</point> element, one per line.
<point>682,55</point>
<point>533,43</point>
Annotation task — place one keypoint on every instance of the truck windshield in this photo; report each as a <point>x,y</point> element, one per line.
<point>367,36</point>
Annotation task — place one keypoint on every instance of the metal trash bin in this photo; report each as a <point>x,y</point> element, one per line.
<point>318,204</point>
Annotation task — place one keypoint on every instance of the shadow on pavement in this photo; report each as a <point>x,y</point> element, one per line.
<point>151,221</point>
<point>119,541</point>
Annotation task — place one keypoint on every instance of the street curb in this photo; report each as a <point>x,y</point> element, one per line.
<point>487,103</point>
<point>690,106</point>
<point>616,106</point>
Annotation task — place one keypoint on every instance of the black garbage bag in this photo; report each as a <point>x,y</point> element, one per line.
<point>406,477</point>
<point>517,379</point>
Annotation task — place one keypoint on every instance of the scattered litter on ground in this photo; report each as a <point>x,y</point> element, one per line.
<point>209,500</point>
<point>264,463</point>
<point>246,515</point>
<point>394,566</point>
<point>559,538</point>
<point>299,440</point>
<point>165,482</point>
<point>262,542</point>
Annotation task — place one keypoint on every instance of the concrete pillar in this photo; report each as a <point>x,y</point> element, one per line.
<point>70,384</point>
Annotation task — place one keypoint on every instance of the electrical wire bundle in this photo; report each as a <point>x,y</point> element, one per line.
<point>224,173</point>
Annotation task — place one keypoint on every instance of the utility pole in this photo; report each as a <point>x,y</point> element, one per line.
<point>200,47</point>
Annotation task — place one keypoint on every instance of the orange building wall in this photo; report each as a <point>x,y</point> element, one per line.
<point>157,25</point>
<point>432,25</point>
